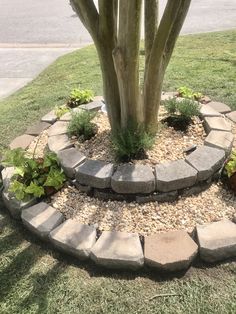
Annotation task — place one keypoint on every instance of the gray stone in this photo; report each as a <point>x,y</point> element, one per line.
<point>69,160</point>
<point>38,128</point>
<point>158,197</point>
<point>231,116</point>
<point>95,173</point>
<point>217,124</point>
<point>41,219</point>
<point>22,141</point>
<point>221,140</point>
<point>208,111</point>
<point>15,206</point>
<point>170,251</point>
<point>50,117</point>
<point>60,127</point>
<point>92,106</point>
<point>217,240</point>
<point>74,238</point>
<point>118,250</point>
<point>219,106</point>
<point>133,179</point>
<point>197,188</point>
<point>174,175</point>
<point>83,188</point>
<point>7,174</point>
<point>206,160</point>
<point>59,142</point>
<point>108,194</point>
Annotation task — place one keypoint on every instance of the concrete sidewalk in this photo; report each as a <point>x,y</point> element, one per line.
<point>35,33</point>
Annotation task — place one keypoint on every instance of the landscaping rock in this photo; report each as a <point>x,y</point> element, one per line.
<point>221,140</point>
<point>60,127</point>
<point>231,116</point>
<point>118,250</point>
<point>217,124</point>
<point>38,128</point>
<point>92,106</point>
<point>219,106</point>
<point>83,188</point>
<point>69,160</point>
<point>197,188</point>
<point>174,175</point>
<point>15,206</point>
<point>170,251</point>
<point>206,160</point>
<point>132,179</point>
<point>208,111</point>
<point>108,194</point>
<point>74,238</point>
<point>59,142</point>
<point>7,174</point>
<point>41,219</point>
<point>95,173</point>
<point>50,117</point>
<point>217,240</point>
<point>22,141</point>
<point>158,197</point>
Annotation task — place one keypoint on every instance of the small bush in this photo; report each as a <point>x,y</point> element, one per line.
<point>79,97</point>
<point>170,105</point>
<point>131,143</point>
<point>188,108</point>
<point>186,92</point>
<point>81,125</point>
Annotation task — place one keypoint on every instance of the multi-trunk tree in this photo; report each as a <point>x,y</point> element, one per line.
<point>116,31</point>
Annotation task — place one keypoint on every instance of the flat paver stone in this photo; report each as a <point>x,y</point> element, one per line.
<point>208,111</point>
<point>116,249</point>
<point>15,206</point>
<point>217,240</point>
<point>37,128</point>
<point>7,174</point>
<point>22,141</point>
<point>219,106</point>
<point>69,159</point>
<point>174,175</point>
<point>95,173</point>
<point>220,139</point>
<point>170,251</point>
<point>59,127</point>
<point>59,142</point>
<point>92,106</point>
<point>217,124</point>
<point>50,117</point>
<point>41,219</point>
<point>231,116</point>
<point>132,179</point>
<point>74,238</point>
<point>206,160</point>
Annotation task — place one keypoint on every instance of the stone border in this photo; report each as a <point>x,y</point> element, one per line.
<point>166,251</point>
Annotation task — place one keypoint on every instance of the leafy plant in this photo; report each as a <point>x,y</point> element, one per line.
<point>132,143</point>
<point>186,92</point>
<point>79,97</point>
<point>61,110</point>
<point>81,125</point>
<point>33,177</point>
<point>180,112</point>
<point>230,166</point>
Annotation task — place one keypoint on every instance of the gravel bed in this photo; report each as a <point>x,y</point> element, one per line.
<point>211,205</point>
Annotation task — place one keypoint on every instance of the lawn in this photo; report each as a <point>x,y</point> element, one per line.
<point>36,279</point>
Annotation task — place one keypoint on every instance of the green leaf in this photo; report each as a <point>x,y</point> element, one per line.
<point>50,160</point>
<point>55,178</point>
<point>35,189</point>
<point>20,171</point>
<point>18,189</point>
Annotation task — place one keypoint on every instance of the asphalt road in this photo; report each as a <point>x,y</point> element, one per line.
<point>34,33</point>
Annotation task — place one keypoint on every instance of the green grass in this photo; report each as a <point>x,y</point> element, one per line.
<point>35,279</point>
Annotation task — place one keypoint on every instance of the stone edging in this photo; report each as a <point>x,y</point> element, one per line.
<point>167,251</point>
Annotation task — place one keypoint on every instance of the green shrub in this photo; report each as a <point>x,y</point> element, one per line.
<point>61,110</point>
<point>131,143</point>
<point>170,105</point>
<point>33,177</point>
<point>185,108</point>
<point>186,92</point>
<point>79,97</point>
<point>81,125</point>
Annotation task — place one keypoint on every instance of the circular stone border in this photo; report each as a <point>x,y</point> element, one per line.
<point>166,251</point>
